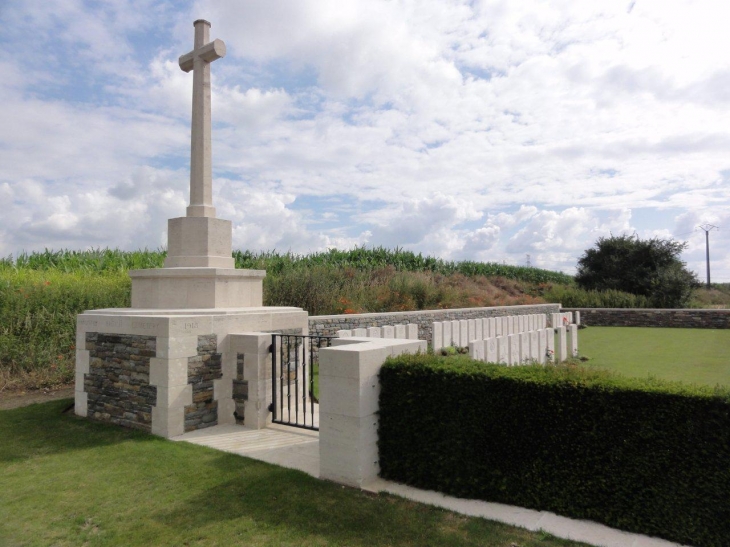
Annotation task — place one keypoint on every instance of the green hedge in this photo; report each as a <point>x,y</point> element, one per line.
<point>640,455</point>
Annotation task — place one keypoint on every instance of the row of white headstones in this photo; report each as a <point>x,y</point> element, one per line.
<point>510,340</point>
<point>513,340</point>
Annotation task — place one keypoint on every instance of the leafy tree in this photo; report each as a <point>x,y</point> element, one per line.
<point>651,268</point>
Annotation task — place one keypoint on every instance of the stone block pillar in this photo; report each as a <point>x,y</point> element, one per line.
<point>349,387</point>
<point>169,372</point>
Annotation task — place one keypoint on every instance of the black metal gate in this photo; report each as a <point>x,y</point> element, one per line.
<point>295,379</point>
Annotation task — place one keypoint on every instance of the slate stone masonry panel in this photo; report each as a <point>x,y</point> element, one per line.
<point>117,383</point>
<point>202,370</point>
<point>240,390</point>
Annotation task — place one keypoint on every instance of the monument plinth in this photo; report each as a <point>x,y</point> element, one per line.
<point>199,270</point>
<point>192,351</point>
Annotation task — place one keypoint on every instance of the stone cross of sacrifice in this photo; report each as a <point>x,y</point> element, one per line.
<point>201,169</point>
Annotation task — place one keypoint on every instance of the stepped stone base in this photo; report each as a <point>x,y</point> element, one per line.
<point>193,288</point>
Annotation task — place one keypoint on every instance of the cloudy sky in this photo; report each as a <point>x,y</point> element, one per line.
<point>485,130</point>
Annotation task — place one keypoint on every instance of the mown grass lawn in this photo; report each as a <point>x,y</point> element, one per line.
<point>700,356</point>
<point>67,481</point>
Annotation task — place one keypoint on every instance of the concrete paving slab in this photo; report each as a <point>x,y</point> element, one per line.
<point>288,447</point>
<point>573,529</point>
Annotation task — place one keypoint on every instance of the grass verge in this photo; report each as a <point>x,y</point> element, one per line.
<point>700,356</point>
<point>68,481</point>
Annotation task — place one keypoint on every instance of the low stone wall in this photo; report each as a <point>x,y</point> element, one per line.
<point>328,325</point>
<point>639,317</point>
<point>118,381</point>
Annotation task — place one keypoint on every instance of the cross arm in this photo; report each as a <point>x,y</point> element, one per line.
<point>208,53</point>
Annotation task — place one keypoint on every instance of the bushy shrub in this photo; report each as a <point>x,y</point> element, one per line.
<point>644,456</point>
<point>315,289</point>
<point>649,267</point>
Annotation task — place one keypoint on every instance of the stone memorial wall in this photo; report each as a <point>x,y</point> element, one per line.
<point>638,317</point>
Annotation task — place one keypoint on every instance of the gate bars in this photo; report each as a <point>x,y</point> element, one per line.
<point>294,365</point>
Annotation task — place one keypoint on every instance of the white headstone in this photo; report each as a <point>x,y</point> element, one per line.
<point>463,333</point>
<point>573,340</point>
<point>476,350</point>
<point>360,333</point>
<point>446,327</point>
<point>562,346</point>
<point>498,326</point>
<point>455,333</point>
<point>471,329</point>
<point>400,333</point>
<point>542,336</point>
<point>374,332</point>
<point>534,346</point>
<point>479,334</point>
<point>503,350</point>
<point>412,331</point>
<point>514,349</point>
<point>490,350</point>
<point>437,336</point>
<point>524,347</point>
<point>344,333</point>
<point>577,318</point>
<point>550,347</point>
<point>388,331</point>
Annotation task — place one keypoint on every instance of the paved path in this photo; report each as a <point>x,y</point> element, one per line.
<point>285,446</point>
<point>299,449</point>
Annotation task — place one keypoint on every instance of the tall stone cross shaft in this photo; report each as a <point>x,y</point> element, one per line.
<point>201,168</point>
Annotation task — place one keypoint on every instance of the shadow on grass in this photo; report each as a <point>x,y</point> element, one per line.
<point>43,429</point>
<point>292,504</point>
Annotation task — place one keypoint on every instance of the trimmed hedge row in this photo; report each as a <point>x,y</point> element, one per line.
<point>641,455</point>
